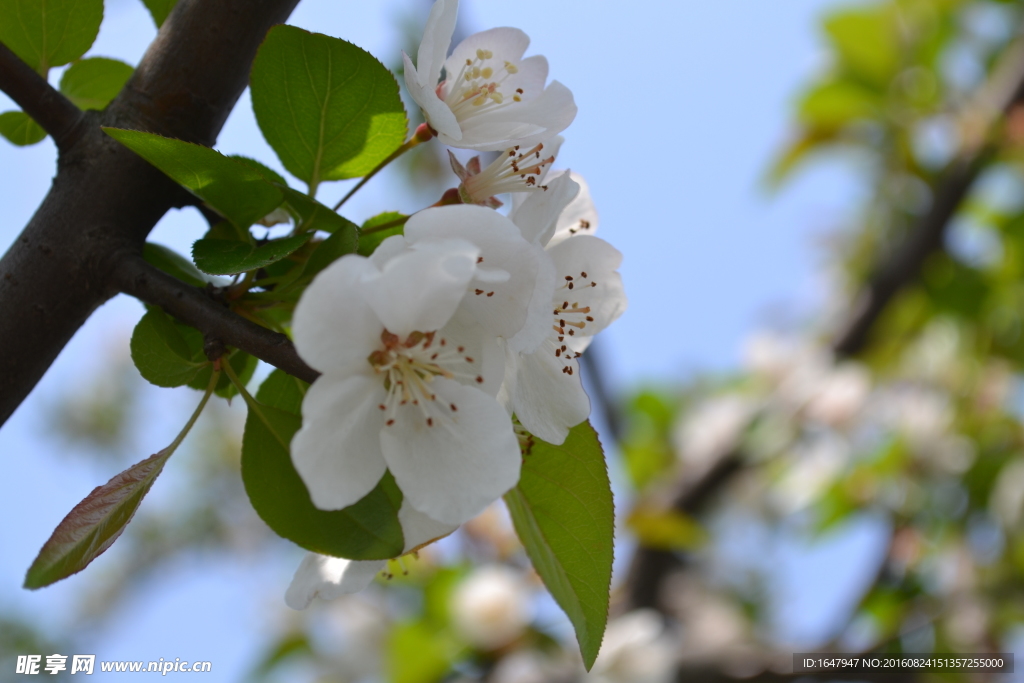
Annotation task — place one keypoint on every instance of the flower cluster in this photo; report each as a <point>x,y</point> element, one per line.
<point>460,337</point>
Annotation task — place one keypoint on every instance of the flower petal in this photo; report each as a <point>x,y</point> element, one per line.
<point>419,529</point>
<point>599,261</point>
<point>455,468</point>
<point>539,214</point>
<point>518,308</point>
<point>488,360</point>
<point>333,328</point>
<point>421,287</point>
<point>548,401</point>
<point>506,44</point>
<point>523,124</point>
<point>329,578</point>
<point>337,451</point>
<point>437,113</point>
<point>580,217</point>
<point>437,38</point>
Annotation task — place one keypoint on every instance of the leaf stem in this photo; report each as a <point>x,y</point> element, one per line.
<point>253,404</point>
<point>214,377</point>
<point>422,134</point>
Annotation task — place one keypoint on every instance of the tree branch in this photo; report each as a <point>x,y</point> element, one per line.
<point>105,199</point>
<point>37,98</point>
<point>136,277</point>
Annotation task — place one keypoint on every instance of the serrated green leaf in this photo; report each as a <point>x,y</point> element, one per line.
<point>236,190</point>
<point>563,513</point>
<point>49,33</point>
<point>173,263</point>
<point>267,172</point>
<point>92,83</point>
<point>96,522</point>
<point>328,108</point>
<point>368,243</point>
<point>368,530</point>
<point>19,128</point>
<point>159,9</point>
<point>228,257</point>
<point>317,217</point>
<point>161,353</point>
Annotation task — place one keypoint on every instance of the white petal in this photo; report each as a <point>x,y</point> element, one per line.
<point>518,309</point>
<point>328,578</point>
<point>420,288</point>
<point>522,124</point>
<point>454,469</point>
<point>599,260</point>
<point>488,359</point>
<point>419,529</point>
<point>538,215</point>
<point>437,37</point>
<point>437,113</point>
<point>580,217</point>
<point>507,44</point>
<point>547,401</point>
<point>333,328</point>
<point>337,451</point>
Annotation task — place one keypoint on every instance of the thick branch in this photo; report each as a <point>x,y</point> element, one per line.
<point>189,305</point>
<point>105,199</point>
<point>37,98</point>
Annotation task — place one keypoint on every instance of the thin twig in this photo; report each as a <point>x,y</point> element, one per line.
<point>136,277</point>
<point>37,98</point>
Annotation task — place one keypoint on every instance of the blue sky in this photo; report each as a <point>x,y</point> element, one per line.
<point>681,106</point>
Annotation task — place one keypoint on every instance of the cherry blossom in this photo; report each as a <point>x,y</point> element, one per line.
<point>492,98</point>
<point>543,387</point>
<point>408,378</point>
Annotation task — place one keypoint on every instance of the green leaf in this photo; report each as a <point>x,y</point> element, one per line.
<point>330,250</point>
<point>228,257</point>
<point>49,33</point>
<point>159,9</point>
<point>328,108</point>
<point>267,172</point>
<point>563,513</point>
<point>173,263</point>
<point>161,353</point>
<point>419,652</point>
<point>19,128</point>
<point>242,363</point>
<point>367,530</point>
<point>369,243</point>
<point>315,216</point>
<point>234,189</point>
<point>92,83</point>
<point>866,42</point>
<point>95,523</point>
<point>834,104</point>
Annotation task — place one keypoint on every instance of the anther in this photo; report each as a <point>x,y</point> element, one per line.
<point>430,422</point>
<point>452,406</point>
<point>479,379</point>
<point>490,293</point>
<point>390,422</point>
<point>583,274</point>
<point>382,406</point>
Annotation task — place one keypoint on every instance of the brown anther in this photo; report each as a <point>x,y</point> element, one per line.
<point>558,353</point>
<point>572,332</point>
<point>520,91</point>
<point>570,285</point>
<point>568,278</point>
<point>479,379</point>
<point>563,347</point>
<point>390,422</point>
<point>584,224</point>
<point>479,259</point>
<point>478,292</point>
<point>382,406</point>
<point>590,319</point>
<point>430,422</point>
<point>433,357</point>
<point>461,349</point>
<point>565,304</point>
<point>443,342</point>
<point>490,293</point>
<point>583,274</point>
<point>452,406</point>
<point>468,359</point>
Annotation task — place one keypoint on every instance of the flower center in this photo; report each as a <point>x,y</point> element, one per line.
<point>513,171</point>
<point>410,366</point>
<point>570,317</point>
<point>476,89</point>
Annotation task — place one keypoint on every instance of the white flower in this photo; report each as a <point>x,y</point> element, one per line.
<point>543,387</point>
<point>491,607</point>
<point>331,577</point>
<point>491,98</point>
<point>410,370</point>
<point>636,649</point>
<point>517,169</point>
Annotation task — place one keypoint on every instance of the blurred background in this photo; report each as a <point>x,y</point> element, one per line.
<point>812,408</point>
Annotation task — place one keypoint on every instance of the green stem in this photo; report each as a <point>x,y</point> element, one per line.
<point>406,146</point>
<point>253,404</point>
<point>195,414</point>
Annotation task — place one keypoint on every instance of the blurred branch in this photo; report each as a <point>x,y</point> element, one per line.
<point>37,98</point>
<point>994,101</point>
<point>189,305</point>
